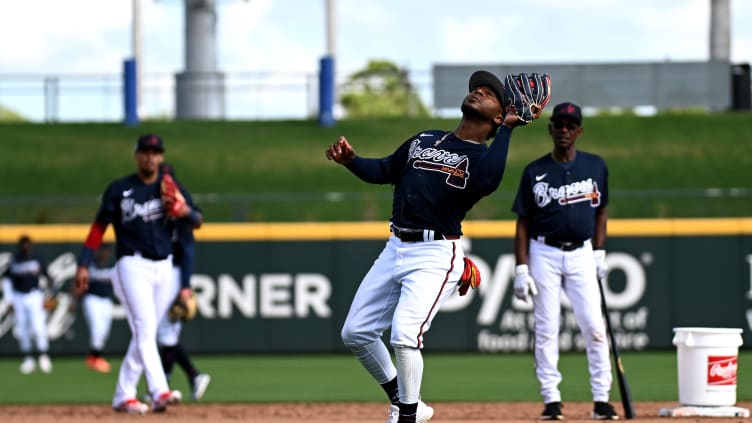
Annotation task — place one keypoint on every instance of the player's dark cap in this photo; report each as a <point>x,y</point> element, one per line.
<point>569,111</point>
<point>149,142</point>
<point>484,78</point>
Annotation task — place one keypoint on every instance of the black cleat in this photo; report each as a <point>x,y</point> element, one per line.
<point>552,411</point>
<point>604,411</point>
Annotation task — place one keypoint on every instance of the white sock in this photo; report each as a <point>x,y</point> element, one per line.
<point>409,373</point>
<point>377,361</point>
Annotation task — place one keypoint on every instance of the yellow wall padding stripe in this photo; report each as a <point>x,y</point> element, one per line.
<point>320,231</point>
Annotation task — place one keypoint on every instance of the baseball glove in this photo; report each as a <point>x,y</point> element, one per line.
<point>173,201</point>
<point>470,277</point>
<point>527,95</point>
<point>184,308</point>
<point>50,303</point>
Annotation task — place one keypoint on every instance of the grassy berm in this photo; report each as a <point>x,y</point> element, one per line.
<point>673,165</point>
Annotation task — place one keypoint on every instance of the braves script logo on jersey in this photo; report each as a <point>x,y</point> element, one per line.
<point>576,192</point>
<point>148,211</point>
<point>438,160</point>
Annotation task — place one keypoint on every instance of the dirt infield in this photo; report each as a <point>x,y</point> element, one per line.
<point>330,412</point>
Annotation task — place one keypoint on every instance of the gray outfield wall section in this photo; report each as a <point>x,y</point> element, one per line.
<point>267,292</point>
<point>627,85</point>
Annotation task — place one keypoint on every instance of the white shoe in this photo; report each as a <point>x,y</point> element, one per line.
<point>28,365</point>
<point>200,383</point>
<point>424,414</point>
<point>160,404</point>
<point>45,364</point>
<point>131,406</point>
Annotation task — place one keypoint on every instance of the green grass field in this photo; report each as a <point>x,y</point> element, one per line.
<point>276,171</point>
<point>330,378</point>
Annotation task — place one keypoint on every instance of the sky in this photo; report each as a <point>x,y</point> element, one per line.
<point>52,37</point>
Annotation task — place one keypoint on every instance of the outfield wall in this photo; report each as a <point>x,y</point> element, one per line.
<point>287,287</point>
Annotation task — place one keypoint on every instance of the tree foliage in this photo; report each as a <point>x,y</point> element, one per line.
<point>8,115</point>
<point>382,89</point>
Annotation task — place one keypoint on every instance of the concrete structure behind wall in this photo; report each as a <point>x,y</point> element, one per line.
<point>200,89</point>
<point>720,31</point>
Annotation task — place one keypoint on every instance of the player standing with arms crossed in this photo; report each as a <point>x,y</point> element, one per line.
<point>559,245</point>
<point>168,332</point>
<point>22,285</point>
<point>140,213</point>
<point>437,177</point>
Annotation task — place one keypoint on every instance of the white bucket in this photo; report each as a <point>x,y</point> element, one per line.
<point>707,362</point>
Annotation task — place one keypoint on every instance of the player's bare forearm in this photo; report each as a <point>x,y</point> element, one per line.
<point>82,280</point>
<point>521,241</point>
<point>601,222</point>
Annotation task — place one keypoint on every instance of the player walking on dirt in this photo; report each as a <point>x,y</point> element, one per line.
<point>135,207</point>
<point>437,177</point>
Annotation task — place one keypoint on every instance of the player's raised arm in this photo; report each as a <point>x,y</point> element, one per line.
<point>374,171</point>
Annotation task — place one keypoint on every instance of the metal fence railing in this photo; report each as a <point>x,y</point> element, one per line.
<point>258,95</point>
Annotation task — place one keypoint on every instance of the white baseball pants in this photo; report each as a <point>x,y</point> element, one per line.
<point>168,332</point>
<point>143,287</point>
<point>30,316</point>
<point>98,313</point>
<point>573,272</point>
<point>403,290</point>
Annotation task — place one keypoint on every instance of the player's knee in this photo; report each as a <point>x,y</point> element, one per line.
<point>598,336</point>
<point>545,338</point>
<point>403,340</point>
<point>355,336</point>
<point>351,337</point>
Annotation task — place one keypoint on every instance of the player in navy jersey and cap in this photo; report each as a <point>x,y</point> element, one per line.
<point>559,246</point>
<point>23,290</point>
<point>143,272</point>
<point>97,307</point>
<point>437,177</point>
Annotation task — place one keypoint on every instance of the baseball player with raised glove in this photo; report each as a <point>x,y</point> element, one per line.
<point>437,176</point>
<point>183,308</point>
<point>143,222</point>
<point>559,246</point>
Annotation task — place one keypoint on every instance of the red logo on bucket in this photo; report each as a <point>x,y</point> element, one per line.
<point>722,370</point>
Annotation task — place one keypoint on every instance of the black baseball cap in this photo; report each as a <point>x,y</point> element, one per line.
<point>149,142</point>
<point>484,78</point>
<point>567,110</point>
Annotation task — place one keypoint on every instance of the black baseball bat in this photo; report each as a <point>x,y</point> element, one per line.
<point>626,396</point>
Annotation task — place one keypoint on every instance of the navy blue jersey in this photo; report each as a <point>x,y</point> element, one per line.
<point>24,272</point>
<point>559,200</point>
<point>437,178</point>
<point>136,213</point>
<point>183,247</point>
<point>100,281</point>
